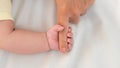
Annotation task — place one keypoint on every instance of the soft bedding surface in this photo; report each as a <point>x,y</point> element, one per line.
<point>96,37</point>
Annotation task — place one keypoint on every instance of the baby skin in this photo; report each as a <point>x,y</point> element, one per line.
<point>29,42</point>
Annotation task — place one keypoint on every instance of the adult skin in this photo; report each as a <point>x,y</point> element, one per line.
<point>69,11</point>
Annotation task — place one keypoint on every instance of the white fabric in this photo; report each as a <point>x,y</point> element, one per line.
<point>96,37</point>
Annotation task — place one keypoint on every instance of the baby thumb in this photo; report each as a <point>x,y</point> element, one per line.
<point>58,28</point>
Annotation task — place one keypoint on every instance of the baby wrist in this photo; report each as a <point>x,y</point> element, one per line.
<point>47,40</point>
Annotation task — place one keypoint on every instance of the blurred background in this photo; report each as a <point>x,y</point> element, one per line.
<point>96,37</point>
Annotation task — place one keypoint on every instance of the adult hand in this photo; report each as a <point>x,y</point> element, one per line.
<point>70,10</point>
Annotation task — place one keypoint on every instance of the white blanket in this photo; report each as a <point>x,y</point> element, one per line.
<point>96,37</point>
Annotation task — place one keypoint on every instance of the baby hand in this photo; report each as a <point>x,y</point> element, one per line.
<point>52,35</point>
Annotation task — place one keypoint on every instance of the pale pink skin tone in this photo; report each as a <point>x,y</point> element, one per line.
<point>53,37</point>
<point>29,42</point>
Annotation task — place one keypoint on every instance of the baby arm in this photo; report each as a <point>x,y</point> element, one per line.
<point>21,41</point>
<point>29,42</point>
<point>25,41</point>
<point>18,41</point>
